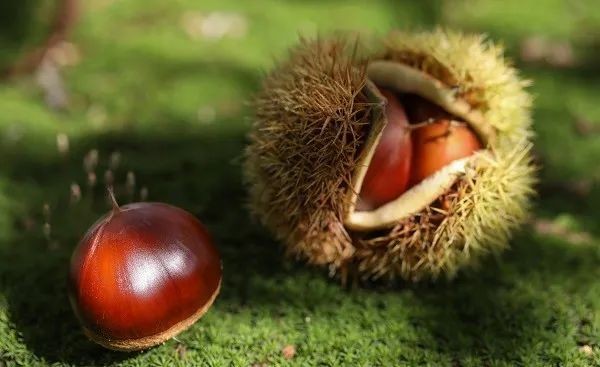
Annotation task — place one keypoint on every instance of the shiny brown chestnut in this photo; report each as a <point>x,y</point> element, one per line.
<point>438,142</point>
<point>388,174</point>
<point>420,138</point>
<point>142,274</point>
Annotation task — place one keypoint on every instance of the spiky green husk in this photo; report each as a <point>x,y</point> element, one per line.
<point>311,118</point>
<point>311,122</point>
<point>476,217</point>
<point>476,69</point>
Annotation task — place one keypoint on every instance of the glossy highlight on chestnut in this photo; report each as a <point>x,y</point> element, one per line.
<point>142,274</point>
<point>438,144</point>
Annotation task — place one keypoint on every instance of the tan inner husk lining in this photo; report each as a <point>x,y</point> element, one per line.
<point>404,79</point>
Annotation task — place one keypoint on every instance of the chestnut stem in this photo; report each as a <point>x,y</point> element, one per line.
<point>113,200</point>
<point>421,124</point>
<point>430,121</point>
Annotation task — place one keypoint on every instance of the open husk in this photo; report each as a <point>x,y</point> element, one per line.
<point>318,120</point>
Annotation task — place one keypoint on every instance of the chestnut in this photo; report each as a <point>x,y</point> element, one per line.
<point>326,179</point>
<point>388,174</point>
<point>439,143</point>
<point>142,274</point>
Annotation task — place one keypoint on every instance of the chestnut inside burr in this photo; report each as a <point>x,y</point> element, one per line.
<point>420,138</point>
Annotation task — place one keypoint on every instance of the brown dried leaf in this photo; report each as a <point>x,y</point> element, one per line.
<point>289,351</point>
<point>533,49</point>
<point>585,126</point>
<point>556,228</point>
<point>181,351</point>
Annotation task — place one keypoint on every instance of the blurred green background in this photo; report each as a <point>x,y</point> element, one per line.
<point>159,89</point>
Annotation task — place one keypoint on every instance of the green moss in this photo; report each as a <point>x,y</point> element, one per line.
<point>139,93</point>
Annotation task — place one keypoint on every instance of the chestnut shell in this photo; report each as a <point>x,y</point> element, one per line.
<point>142,274</point>
<point>389,171</point>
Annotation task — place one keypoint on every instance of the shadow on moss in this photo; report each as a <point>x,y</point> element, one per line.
<point>199,172</point>
<point>486,313</point>
<point>500,312</point>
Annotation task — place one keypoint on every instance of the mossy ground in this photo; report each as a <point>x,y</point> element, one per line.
<point>138,90</point>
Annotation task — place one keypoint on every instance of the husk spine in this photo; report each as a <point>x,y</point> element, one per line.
<point>311,121</point>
